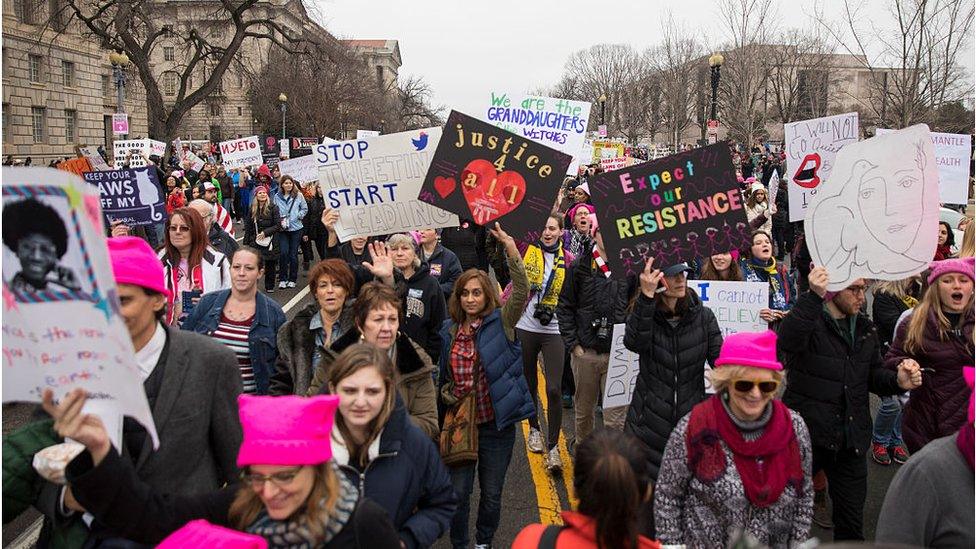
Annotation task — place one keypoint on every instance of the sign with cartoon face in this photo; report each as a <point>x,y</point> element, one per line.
<point>487,174</point>
<point>877,216</point>
<point>811,146</point>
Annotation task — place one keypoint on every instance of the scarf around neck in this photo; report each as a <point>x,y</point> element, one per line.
<point>768,272</point>
<point>535,268</point>
<point>296,534</point>
<point>766,465</point>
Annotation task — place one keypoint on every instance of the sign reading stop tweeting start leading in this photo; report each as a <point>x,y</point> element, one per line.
<point>241,153</point>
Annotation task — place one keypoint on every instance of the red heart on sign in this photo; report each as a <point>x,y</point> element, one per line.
<point>490,194</point>
<point>444,185</point>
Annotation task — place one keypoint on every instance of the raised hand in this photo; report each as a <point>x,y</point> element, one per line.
<point>819,279</point>
<point>650,278</point>
<point>69,422</point>
<point>380,264</point>
<point>511,250</point>
<point>329,218</point>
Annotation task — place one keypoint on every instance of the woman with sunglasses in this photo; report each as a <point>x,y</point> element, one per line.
<point>291,493</point>
<point>191,265</point>
<point>740,460</point>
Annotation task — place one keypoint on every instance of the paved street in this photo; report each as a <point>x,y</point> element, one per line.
<point>531,494</point>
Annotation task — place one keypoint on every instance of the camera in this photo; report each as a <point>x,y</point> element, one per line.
<point>602,327</point>
<point>544,313</point>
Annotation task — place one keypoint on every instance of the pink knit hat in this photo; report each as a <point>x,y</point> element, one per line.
<point>200,533</point>
<point>961,266</point>
<point>757,350</point>
<point>134,262</point>
<point>286,430</point>
<point>262,187</point>
<point>969,374</point>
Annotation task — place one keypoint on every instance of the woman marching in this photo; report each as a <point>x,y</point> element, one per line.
<point>740,460</point>
<point>292,208</point>
<point>261,230</point>
<point>761,266</point>
<point>481,363</point>
<point>192,267</point>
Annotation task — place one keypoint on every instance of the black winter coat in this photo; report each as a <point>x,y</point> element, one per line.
<point>131,509</point>
<point>268,223</point>
<point>886,311</point>
<point>588,296</point>
<point>424,310</point>
<point>313,218</point>
<point>672,368</point>
<point>828,378</point>
<point>468,244</point>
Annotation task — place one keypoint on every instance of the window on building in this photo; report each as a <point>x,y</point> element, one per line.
<point>170,83</point>
<point>58,14</point>
<point>240,80</point>
<point>35,67</point>
<point>106,84</point>
<point>70,126</point>
<point>6,122</point>
<point>26,11</point>
<point>216,31</point>
<point>215,109</point>
<point>240,111</point>
<point>169,53</point>
<point>379,76</point>
<point>68,73</point>
<point>39,123</point>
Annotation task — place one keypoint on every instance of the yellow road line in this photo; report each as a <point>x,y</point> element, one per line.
<point>545,492</point>
<point>567,471</point>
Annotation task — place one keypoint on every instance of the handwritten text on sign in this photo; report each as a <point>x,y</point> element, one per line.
<point>811,146</point>
<point>952,157</point>
<point>375,183</point>
<point>621,372</point>
<point>241,153</point>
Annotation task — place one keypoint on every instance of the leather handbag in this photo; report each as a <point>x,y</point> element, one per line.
<point>459,435</point>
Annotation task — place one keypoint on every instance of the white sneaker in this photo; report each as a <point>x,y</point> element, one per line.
<point>291,284</point>
<point>553,461</point>
<point>282,285</point>
<point>536,444</point>
<point>482,546</point>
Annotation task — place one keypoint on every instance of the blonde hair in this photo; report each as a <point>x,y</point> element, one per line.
<point>315,515</point>
<point>930,304</point>
<point>894,288</point>
<point>968,248</point>
<point>723,376</point>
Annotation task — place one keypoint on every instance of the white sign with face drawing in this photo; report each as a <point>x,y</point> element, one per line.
<point>877,216</point>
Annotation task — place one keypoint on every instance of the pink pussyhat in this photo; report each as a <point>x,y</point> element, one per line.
<point>962,266</point>
<point>134,262</point>
<point>286,430</point>
<point>200,533</point>
<point>969,374</point>
<point>757,350</point>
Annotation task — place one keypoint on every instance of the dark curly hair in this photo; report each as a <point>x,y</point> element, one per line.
<point>32,216</point>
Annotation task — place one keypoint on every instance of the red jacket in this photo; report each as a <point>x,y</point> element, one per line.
<point>580,533</point>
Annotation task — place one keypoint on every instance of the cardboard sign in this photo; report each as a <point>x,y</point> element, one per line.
<point>953,153</point>
<point>878,215</point>
<point>241,153</point>
<point>77,166</point>
<point>486,174</point>
<point>305,169</point>
<point>621,372</point>
<point>285,149</point>
<point>674,209</point>
<point>95,159</point>
<point>61,324</point>
<point>120,123</point>
<point>157,148</point>
<point>607,149</point>
<point>811,146</point>
<point>557,123</point>
<point>366,134</point>
<point>130,196</point>
<point>131,151</point>
<point>374,183</point>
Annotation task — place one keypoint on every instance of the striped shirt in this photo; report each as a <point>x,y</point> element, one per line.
<point>234,334</point>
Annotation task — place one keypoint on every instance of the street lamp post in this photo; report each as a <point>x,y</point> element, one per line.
<point>603,109</point>
<point>382,126</point>
<point>284,108</point>
<point>120,61</point>
<point>715,62</point>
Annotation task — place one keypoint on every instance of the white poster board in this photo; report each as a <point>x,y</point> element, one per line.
<point>366,134</point>
<point>811,146</point>
<point>952,157</point>
<point>736,306</point>
<point>157,148</point>
<point>134,150</point>
<point>94,159</point>
<point>375,183</point>
<point>557,123</point>
<point>196,163</point>
<point>61,328</point>
<point>878,217</point>
<point>304,169</point>
<point>241,153</point>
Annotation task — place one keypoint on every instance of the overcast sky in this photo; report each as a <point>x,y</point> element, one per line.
<point>464,48</point>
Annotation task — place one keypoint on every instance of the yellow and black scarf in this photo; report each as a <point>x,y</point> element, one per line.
<point>535,267</point>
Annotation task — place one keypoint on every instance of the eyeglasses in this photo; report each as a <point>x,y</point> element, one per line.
<point>857,289</point>
<point>179,229</point>
<point>280,479</point>
<point>746,385</point>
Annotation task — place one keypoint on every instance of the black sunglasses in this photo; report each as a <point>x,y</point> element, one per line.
<point>746,385</point>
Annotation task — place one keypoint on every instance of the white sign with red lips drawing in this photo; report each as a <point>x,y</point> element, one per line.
<point>811,146</point>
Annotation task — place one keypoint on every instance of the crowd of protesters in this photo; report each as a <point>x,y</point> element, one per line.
<point>365,419</point>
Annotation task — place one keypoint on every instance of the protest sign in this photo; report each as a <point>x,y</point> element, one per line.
<point>196,163</point>
<point>131,151</point>
<point>130,196</point>
<point>878,215</point>
<point>621,371</point>
<point>305,169</point>
<point>77,166</point>
<point>557,123</point>
<point>611,164</point>
<point>157,148</point>
<point>811,146</point>
<point>95,159</point>
<point>674,209</point>
<point>487,174</point>
<point>241,153</point>
<point>607,149</point>
<point>285,149</point>
<point>366,134</point>
<point>952,158</point>
<point>773,187</point>
<point>374,183</point>
<point>120,123</point>
<point>61,324</point>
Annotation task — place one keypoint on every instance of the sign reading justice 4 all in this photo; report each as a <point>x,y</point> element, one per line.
<point>674,209</point>
<point>486,174</point>
<point>241,153</point>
